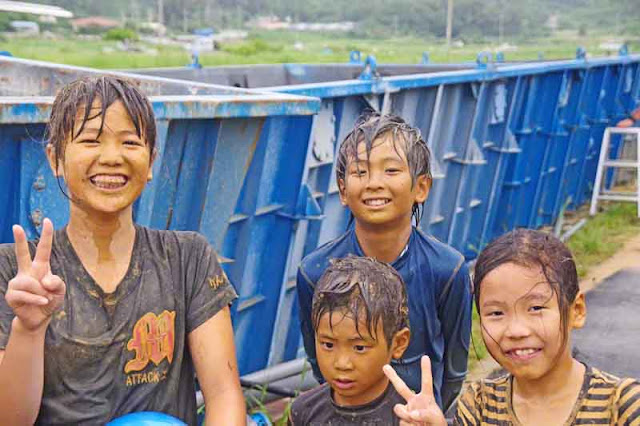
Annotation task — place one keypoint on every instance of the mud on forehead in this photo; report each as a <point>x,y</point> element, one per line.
<point>99,111</point>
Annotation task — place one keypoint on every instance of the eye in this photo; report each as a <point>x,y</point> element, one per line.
<point>327,345</point>
<point>392,170</point>
<point>537,308</point>
<point>133,143</point>
<point>358,172</point>
<point>88,141</point>
<point>360,348</point>
<point>494,314</point>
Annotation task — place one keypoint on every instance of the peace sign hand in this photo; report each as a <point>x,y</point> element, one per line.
<point>422,408</point>
<point>34,293</point>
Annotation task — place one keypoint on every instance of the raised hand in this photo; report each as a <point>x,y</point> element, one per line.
<point>34,293</point>
<point>422,408</point>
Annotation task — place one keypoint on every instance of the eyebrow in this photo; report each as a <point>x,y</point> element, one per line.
<point>350,339</point>
<point>530,297</point>
<point>387,159</point>
<point>97,130</point>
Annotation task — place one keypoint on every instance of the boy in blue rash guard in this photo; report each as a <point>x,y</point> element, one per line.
<point>383,174</point>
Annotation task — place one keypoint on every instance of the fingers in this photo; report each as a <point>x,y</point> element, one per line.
<point>427,380</point>
<point>402,413</point>
<point>398,383</point>
<point>17,298</point>
<point>21,248</point>
<point>43,252</point>
<point>53,284</point>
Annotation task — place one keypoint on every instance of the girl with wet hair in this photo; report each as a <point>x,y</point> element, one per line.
<point>528,298</point>
<point>104,317</point>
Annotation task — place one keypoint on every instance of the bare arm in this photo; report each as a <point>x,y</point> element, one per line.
<point>22,376</point>
<point>33,295</point>
<point>213,352</point>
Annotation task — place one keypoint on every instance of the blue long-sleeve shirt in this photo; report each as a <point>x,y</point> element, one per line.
<point>439,297</point>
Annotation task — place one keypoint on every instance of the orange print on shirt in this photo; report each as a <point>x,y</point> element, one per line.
<point>152,340</point>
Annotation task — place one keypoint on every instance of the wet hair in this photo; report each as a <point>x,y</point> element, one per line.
<point>77,98</point>
<point>362,287</point>
<point>406,138</point>
<point>530,248</point>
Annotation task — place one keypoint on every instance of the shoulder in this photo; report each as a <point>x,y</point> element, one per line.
<point>306,406</point>
<point>314,264</point>
<point>170,236</point>
<point>474,398</point>
<point>441,263</point>
<point>443,258</point>
<point>184,242</point>
<point>625,394</point>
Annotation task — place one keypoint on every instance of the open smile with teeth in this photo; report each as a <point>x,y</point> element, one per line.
<point>377,202</point>
<point>524,353</point>
<point>109,181</point>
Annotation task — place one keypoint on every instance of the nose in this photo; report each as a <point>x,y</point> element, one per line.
<point>517,327</point>
<point>110,153</point>
<point>342,362</point>
<point>375,180</point>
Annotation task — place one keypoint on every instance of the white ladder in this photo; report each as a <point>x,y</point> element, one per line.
<point>605,161</point>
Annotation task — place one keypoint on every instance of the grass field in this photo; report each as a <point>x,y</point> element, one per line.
<point>279,47</point>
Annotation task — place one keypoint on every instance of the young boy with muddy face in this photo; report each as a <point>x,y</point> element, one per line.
<point>383,174</point>
<point>360,318</point>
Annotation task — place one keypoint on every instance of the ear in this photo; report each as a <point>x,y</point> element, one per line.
<point>151,161</point>
<point>422,188</point>
<point>400,343</point>
<point>57,169</point>
<point>342,188</point>
<point>578,312</point>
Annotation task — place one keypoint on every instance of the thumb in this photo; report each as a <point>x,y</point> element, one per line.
<point>53,284</point>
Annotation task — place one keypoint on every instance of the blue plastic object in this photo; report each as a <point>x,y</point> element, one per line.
<point>259,419</point>
<point>146,418</point>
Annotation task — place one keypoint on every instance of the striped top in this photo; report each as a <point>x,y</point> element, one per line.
<point>603,400</point>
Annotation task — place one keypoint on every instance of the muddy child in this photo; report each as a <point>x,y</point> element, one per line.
<point>383,174</point>
<point>360,319</point>
<point>528,298</point>
<point>103,317</point>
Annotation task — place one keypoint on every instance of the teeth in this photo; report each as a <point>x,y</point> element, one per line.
<point>108,181</point>
<point>377,202</point>
<point>524,352</point>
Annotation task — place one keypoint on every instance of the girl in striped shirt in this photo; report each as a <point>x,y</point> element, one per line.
<point>527,294</point>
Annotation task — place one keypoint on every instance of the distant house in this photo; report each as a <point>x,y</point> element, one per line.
<point>93,23</point>
<point>25,27</point>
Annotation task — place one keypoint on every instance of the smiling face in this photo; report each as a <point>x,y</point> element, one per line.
<point>380,190</point>
<point>351,362</point>
<point>106,171</point>
<point>521,321</point>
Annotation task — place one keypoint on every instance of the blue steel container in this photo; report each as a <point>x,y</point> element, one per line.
<point>512,144</point>
<point>230,165</point>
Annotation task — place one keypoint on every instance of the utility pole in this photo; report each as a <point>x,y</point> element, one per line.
<point>449,21</point>
<point>161,12</point>
<point>501,26</point>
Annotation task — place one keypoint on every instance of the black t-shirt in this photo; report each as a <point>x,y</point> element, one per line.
<point>316,407</point>
<point>111,354</point>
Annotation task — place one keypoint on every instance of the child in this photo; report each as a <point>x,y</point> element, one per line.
<point>359,316</point>
<point>528,298</point>
<point>110,317</point>
<point>384,176</point>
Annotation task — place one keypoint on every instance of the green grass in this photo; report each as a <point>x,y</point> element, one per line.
<point>603,235</point>
<point>478,350</point>
<point>278,47</point>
